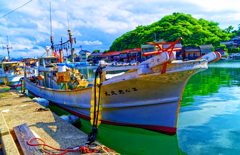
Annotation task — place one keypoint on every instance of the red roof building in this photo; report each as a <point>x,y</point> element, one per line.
<point>108,56</point>
<point>126,55</point>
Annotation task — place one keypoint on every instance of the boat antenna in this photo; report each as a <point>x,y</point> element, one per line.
<point>68,20</point>
<point>51,38</point>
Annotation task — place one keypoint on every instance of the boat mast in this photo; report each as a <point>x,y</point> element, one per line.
<point>71,42</point>
<point>51,38</point>
<point>7,47</point>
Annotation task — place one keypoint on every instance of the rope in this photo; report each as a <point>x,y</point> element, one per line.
<point>93,134</point>
<point>82,149</point>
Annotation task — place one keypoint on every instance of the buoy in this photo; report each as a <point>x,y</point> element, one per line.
<point>5,80</point>
<point>97,114</point>
<point>23,86</point>
<point>70,118</point>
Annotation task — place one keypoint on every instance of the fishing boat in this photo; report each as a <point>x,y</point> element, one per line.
<point>147,96</point>
<point>12,72</point>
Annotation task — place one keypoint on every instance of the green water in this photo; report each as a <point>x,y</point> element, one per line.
<point>208,119</point>
<point>209,116</point>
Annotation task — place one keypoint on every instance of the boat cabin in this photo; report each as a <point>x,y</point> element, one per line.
<point>55,75</point>
<point>10,68</point>
<point>47,63</point>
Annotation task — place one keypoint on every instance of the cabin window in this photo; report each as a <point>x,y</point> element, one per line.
<point>189,54</point>
<point>48,62</point>
<point>54,60</point>
<point>194,54</point>
<point>41,62</point>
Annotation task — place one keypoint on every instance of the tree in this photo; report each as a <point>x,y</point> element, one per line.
<point>229,29</point>
<point>96,51</point>
<point>171,28</point>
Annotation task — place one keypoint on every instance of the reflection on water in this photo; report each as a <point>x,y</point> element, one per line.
<point>208,120</point>
<point>133,141</point>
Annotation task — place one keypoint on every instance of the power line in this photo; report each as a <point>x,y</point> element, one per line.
<point>16,9</point>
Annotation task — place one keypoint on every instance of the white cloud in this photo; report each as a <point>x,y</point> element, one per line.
<point>96,42</point>
<point>108,17</point>
<point>32,53</point>
<point>213,5</point>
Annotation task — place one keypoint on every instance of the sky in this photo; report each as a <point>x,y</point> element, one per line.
<point>95,23</point>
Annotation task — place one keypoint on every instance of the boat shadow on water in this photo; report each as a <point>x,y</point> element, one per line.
<point>130,140</point>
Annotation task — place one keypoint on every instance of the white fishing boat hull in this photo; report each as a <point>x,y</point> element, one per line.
<point>150,101</point>
<point>13,81</point>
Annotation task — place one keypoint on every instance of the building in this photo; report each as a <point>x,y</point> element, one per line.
<point>108,57</point>
<point>229,43</point>
<point>147,48</point>
<point>135,54</point>
<point>191,53</point>
<point>83,55</point>
<point>125,55</point>
<point>94,57</point>
<point>236,39</point>
<point>205,48</point>
<point>222,52</point>
<point>116,56</point>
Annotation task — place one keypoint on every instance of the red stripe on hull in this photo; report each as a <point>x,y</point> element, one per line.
<point>14,85</point>
<point>160,129</point>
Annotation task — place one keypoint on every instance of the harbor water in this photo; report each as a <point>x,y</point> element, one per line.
<point>208,119</point>
<point>210,110</point>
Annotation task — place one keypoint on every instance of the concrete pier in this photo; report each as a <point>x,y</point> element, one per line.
<point>48,126</point>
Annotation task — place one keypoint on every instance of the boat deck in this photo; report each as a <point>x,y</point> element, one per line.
<point>51,128</point>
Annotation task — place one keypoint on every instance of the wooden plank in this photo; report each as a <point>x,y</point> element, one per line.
<point>24,134</point>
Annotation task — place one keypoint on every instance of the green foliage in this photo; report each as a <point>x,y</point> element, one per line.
<point>229,29</point>
<point>105,51</point>
<point>222,46</point>
<point>170,28</point>
<point>96,51</point>
<point>234,50</point>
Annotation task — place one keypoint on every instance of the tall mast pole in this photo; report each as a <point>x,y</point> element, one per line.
<point>71,41</point>
<point>51,38</point>
<point>8,47</point>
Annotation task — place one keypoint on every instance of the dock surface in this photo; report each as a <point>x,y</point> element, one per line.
<point>48,126</point>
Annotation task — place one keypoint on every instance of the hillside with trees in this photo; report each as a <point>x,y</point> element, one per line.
<point>170,28</point>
